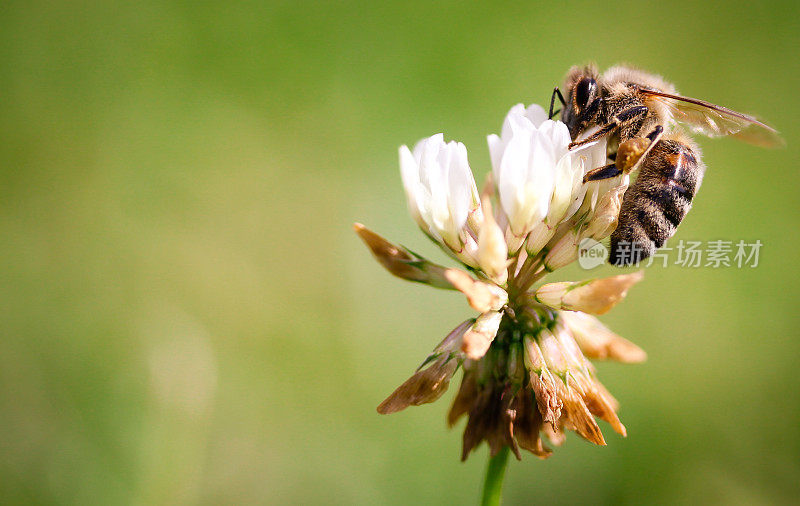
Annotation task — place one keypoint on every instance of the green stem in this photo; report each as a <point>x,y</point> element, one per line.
<point>493,483</point>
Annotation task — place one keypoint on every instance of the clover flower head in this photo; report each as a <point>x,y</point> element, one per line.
<point>525,353</point>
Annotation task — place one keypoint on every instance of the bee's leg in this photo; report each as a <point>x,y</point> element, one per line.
<point>556,92</point>
<point>629,114</point>
<point>629,154</point>
<point>604,172</point>
<point>604,130</point>
<point>655,134</point>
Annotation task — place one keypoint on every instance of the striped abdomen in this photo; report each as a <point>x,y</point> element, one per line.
<point>657,201</point>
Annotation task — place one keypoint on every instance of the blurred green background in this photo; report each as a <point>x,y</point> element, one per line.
<point>187,318</point>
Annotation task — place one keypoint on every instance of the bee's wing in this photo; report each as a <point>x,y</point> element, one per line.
<point>715,121</point>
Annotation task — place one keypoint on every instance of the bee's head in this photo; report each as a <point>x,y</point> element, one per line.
<point>583,99</point>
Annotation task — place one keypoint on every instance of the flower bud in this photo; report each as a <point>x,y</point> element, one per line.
<point>492,249</point>
<point>596,296</point>
<point>539,237</point>
<point>564,252</point>
<point>552,353</point>
<point>468,254</point>
<point>569,176</point>
<point>514,241</point>
<point>552,294</point>
<point>606,214</point>
<point>479,337</point>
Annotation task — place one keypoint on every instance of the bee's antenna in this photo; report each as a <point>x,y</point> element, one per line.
<point>556,92</point>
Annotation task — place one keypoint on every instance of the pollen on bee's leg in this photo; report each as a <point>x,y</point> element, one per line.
<point>630,152</point>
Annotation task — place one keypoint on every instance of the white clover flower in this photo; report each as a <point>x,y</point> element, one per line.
<point>539,180</point>
<point>524,160</point>
<point>568,190</point>
<point>441,191</point>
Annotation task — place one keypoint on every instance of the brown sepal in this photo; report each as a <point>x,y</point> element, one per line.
<point>528,424</point>
<point>581,420</point>
<point>423,387</point>
<point>465,398</point>
<point>491,418</point>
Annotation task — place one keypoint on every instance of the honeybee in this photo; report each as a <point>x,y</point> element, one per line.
<point>640,114</point>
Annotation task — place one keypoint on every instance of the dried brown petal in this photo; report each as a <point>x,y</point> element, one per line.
<point>479,337</point>
<point>481,296</point>
<point>597,341</point>
<point>528,424</point>
<point>401,262</point>
<point>601,407</point>
<point>465,398</point>
<point>612,401</point>
<point>423,387</point>
<point>596,296</point>
<point>452,341</point>
<point>547,400</point>
<point>579,418</point>
<point>596,399</point>
<point>600,295</point>
<point>542,383</point>
<point>555,435</point>
<point>492,419</point>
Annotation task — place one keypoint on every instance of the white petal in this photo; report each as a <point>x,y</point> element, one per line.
<point>409,169</point>
<point>514,169</point>
<point>496,147</point>
<point>562,190</point>
<point>561,138</point>
<point>542,174</point>
<point>461,185</point>
<point>515,121</point>
<point>535,113</point>
<point>409,172</point>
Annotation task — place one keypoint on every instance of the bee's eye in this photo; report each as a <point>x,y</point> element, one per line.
<point>585,91</point>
